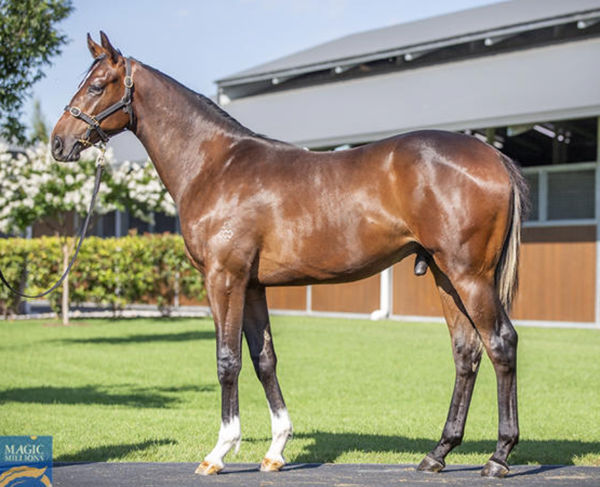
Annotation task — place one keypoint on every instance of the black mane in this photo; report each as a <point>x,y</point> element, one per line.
<point>208,107</point>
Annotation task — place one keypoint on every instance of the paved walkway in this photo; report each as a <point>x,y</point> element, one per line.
<point>182,475</point>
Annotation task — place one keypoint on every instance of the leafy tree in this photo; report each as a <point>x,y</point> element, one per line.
<point>28,41</point>
<point>35,188</point>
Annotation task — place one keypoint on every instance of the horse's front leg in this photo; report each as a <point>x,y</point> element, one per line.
<point>260,342</point>
<point>226,293</point>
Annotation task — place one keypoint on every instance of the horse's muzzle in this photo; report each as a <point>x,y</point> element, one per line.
<point>60,153</point>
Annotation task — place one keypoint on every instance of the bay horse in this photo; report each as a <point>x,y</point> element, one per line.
<point>258,212</point>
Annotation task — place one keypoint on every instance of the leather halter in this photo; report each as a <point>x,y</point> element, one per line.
<point>94,121</point>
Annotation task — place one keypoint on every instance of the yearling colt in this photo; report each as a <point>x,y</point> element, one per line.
<point>257,212</point>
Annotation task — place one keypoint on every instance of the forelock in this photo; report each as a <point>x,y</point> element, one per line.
<point>95,63</point>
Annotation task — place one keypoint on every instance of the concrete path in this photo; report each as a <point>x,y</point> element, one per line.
<point>182,475</point>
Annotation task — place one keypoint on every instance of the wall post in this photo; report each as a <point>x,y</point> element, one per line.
<point>597,217</point>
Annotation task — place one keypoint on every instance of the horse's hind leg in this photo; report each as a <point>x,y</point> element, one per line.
<point>481,301</point>
<point>466,349</point>
<point>258,335</point>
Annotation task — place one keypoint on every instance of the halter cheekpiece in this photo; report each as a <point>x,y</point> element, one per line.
<point>94,121</point>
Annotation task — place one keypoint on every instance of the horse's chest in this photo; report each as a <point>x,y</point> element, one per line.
<point>225,244</point>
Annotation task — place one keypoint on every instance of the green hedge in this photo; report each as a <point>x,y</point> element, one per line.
<point>110,272</point>
<point>13,262</point>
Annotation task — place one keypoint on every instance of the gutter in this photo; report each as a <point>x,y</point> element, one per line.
<point>490,37</point>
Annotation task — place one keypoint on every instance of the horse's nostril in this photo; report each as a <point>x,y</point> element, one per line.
<point>57,145</point>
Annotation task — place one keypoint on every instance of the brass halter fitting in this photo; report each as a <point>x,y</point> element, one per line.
<point>101,159</point>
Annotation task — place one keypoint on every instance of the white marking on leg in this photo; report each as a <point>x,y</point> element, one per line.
<point>266,338</point>
<point>230,435</point>
<point>281,427</point>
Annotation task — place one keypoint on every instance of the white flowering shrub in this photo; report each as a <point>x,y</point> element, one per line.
<point>137,187</point>
<point>35,188</point>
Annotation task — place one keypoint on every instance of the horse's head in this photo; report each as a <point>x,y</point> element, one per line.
<point>100,108</point>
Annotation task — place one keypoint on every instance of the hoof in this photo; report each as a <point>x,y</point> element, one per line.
<point>207,468</point>
<point>269,465</point>
<point>429,464</point>
<point>494,468</point>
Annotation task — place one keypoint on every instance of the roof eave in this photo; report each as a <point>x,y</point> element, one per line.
<point>416,48</point>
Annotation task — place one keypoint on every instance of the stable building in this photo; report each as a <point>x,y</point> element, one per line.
<point>523,75</point>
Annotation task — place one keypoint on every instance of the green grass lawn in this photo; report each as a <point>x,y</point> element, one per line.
<point>357,391</point>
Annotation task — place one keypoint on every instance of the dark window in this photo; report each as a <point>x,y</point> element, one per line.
<point>139,225</point>
<point>164,223</point>
<point>547,143</point>
<point>571,194</point>
<point>533,181</point>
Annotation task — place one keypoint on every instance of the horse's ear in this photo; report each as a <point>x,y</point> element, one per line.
<point>95,49</point>
<point>112,52</point>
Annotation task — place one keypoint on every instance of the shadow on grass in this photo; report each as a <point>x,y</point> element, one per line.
<point>110,452</point>
<point>154,319</point>
<point>328,447</point>
<point>183,336</point>
<point>131,396</point>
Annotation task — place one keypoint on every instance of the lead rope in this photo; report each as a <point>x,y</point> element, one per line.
<point>99,168</point>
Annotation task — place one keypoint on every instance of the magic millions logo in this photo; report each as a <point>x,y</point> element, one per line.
<point>25,461</point>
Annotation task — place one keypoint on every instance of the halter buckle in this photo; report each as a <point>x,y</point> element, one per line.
<point>75,111</point>
<point>128,80</point>
<point>85,142</point>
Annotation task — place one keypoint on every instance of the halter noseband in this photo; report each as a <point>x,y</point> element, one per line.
<point>94,121</point>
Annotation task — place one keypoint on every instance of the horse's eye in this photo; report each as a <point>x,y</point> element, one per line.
<point>95,89</point>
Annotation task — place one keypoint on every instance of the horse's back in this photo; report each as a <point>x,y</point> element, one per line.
<point>365,208</point>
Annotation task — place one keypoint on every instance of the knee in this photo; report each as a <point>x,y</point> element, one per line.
<point>228,367</point>
<point>265,365</point>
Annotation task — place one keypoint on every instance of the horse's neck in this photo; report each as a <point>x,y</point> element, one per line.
<point>180,139</point>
